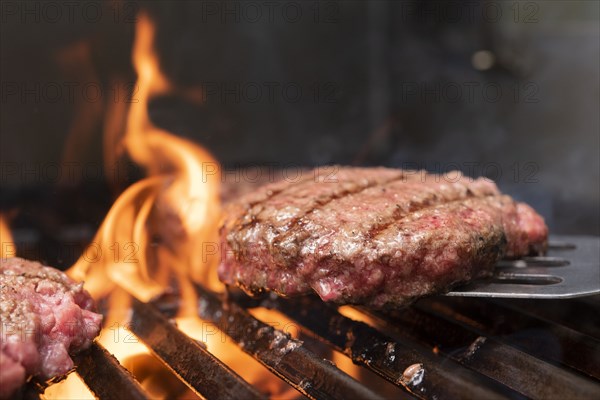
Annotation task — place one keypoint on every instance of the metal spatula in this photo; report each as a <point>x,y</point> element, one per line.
<point>570,269</point>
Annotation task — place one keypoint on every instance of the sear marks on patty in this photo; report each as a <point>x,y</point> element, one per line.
<point>374,236</point>
<point>44,316</point>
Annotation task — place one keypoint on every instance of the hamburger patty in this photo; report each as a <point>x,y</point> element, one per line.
<point>45,316</point>
<point>374,236</point>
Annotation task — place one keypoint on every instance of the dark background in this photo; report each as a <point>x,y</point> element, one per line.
<point>301,84</point>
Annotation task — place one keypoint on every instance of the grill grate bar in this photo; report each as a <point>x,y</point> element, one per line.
<point>532,377</point>
<point>577,351</point>
<point>577,314</point>
<point>282,355</point>
<point>390,359</point>
<point>97,367</point>
<point>206,375</point>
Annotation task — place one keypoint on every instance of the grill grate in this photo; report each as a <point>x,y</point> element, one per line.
<point>502,357</point>
<point>285,357</point>
<point>441,347</point>
<point>98,366</point>
<point>394,360</point>
<point>184,356</point>
<point>577,350</point>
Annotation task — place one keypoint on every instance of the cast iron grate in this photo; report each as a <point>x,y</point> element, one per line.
<point>440,347</point>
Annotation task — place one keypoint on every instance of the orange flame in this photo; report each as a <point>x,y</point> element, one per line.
<point>181,193</point>
<point>7,245</point>
<point>178,203</point>
<point>161,232</point>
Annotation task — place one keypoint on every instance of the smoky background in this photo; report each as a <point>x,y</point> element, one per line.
<point>504,89</point>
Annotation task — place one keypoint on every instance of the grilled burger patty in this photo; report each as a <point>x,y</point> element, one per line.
<point>45,316</point>
<point>374,236</point>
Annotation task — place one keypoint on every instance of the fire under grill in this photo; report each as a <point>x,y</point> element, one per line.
<point>170,191</point>
<point>440,347</point>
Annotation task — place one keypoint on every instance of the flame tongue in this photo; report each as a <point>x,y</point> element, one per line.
<point>153,237</point>
<point>178,203</point>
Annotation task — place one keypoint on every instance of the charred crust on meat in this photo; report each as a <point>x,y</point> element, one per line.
<point>421,234</point>
<point>28,290</point>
